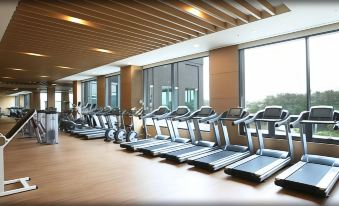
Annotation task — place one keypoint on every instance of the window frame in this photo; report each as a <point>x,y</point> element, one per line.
<point>242,92</point>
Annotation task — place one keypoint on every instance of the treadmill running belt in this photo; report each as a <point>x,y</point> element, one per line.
<point>215,156</point>
<point>184,151</point>
<point>255,164</point>
<point>141,142</point>
<point>309,174</point>
<point>160,146</point>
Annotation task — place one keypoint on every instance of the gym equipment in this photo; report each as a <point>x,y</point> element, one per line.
<point>172,124</point>
<point>52,131</point>
<point>265,162</point>
<point>115,121</point>
<point>313,174</point>
<point>159,137</point>
<point>126,133</point>
<point>4,141</point>
<point>229,153</point>
<point>200,146</point>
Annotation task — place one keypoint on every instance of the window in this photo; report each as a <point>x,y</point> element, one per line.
<point>58,101</point>
<point>17,101</point>
<point>43,100</point>
<point>295,74</point>
<point>323,52</point>
<point>89,92</point>
<point>26,101</point>
<point>191,96</point>
<point>276,75</point>
<point>180,83</point>
<point>113,91</point>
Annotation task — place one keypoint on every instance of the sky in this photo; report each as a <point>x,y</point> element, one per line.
<point>281,68</point>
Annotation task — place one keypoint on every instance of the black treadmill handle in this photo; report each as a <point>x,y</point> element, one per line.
<point>302,116</point>
<point>336,126</point>
<point>188,117</point>
<point>163,116</point>
<point>251,120</point>
<point>180,117</point>
<point>285,121</point>
<point>207,119</point>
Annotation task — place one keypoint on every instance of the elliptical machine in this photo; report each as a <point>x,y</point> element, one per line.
<point>126,133</point>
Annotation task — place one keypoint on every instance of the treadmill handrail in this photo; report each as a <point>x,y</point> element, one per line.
<point>187,117</point>
<point>300,118</point>
<point>206,119</point>
<point>239,121</point>
<point>283,122</point>
<point>251,120</point>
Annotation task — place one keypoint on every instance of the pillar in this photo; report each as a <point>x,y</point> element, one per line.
<point>35,100</point>
<point>224,83</point>
<point>50,96</point>
<point>131,86</point>
<point>76,92</point>
<point>101,91</point>
<point>65,101</point>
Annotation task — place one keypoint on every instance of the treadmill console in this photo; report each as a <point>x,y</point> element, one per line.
<point>162,110</point>
<point>182,110</point>
<point>273,112</point>
<point>205,111</point>
<point>322,113</point>
<point>235,113</point>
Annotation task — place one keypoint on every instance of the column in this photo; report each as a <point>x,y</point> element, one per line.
<point>50,96</point>
<point>35,100</point>
<point>65,101</point>
<point>131,86</point>
<point>101,91</point>
<point>76,92</point>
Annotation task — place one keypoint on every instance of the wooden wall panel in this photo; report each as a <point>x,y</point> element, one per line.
<point>50,96</point>
<point>101,91</point>
<point>76,92</point>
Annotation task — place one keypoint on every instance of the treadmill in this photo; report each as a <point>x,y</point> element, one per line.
<point>157,139</point>
<point>229,153</point>
<point>200,146</point>
<point>265,162</point>
<point>314,174</point>
<point>172,124</point>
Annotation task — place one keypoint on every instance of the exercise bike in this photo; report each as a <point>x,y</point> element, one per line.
<point>127,133</point>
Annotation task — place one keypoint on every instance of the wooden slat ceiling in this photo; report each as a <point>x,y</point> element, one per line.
<point>68,31</point>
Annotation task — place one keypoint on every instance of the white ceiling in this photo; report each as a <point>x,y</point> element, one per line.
<point>102,70</point>
<point>303,15</point>
<point>7,9</point>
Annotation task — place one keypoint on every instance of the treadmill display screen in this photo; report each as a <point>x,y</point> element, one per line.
<point>234,112</point>
<point>272,113</point>
<point>325,113</point>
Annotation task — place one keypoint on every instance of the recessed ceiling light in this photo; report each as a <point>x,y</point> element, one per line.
<point>76,20</point>
<point>103,50</point>
<point>7,77</point>
<point>53,84</point>
<point>44,76</point>
<point>16,69</point>
<point>63,67</point>
<point>196,45</point>
<point>194,11</point>
<point>16,89</point>
<point>34,54</point>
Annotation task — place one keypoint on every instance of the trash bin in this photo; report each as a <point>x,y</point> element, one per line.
<point>52,128</point>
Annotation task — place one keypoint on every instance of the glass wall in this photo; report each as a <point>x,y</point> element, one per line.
<point>180,83</point>
<point>43,100</point>
<point>276,75</point>
<point>89,92</point>
<point>296,74</point>
<point>58,101</point>
<point>26,101</point>
<point>113,91</point>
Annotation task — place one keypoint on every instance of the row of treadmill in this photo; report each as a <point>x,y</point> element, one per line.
<point>313,174</point>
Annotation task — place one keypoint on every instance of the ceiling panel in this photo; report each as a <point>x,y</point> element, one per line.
<point>72,33</point>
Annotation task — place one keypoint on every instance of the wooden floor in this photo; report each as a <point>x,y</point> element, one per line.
<point>97,173</point>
